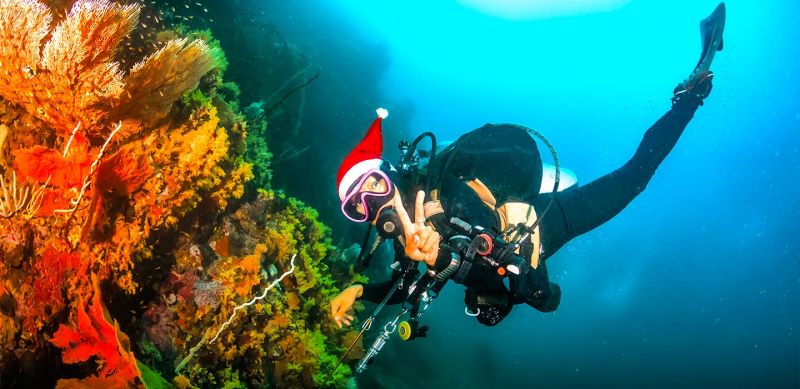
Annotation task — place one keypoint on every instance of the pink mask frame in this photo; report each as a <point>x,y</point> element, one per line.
<point>349,207</point>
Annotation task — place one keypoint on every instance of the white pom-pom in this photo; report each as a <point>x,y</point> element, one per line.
<point>382,113</point>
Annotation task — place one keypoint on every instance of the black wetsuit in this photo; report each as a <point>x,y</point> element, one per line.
<point>506,160</point>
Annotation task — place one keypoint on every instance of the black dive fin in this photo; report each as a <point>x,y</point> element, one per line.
<point>711,29</point>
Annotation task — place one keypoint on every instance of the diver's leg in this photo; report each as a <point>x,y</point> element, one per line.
<point>576,211</point>
<point>579,210</point>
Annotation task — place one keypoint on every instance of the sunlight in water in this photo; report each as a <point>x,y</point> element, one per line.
<point>539,9</point>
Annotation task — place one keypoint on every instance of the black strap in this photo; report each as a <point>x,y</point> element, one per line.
<point>362,260</point>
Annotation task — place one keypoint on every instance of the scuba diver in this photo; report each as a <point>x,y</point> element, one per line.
<point>481,215</point>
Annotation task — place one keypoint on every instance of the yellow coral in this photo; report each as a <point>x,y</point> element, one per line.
<point>181,382</point>
<point>3,136</point>
<point>187,161</point>
<point>244,273</point>
<point>233,188</point>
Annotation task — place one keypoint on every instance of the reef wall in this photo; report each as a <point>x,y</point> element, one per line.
<point>136,213</point>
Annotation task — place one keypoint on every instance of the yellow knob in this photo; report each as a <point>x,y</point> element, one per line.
<point>404,330</point>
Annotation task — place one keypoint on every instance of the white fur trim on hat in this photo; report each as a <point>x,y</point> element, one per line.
<point>355,173</point>
<point>383,113</point>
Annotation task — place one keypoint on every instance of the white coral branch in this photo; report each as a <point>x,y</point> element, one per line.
<point>88,179</point>
<point>24,199</point>
<point>194,349</point>
<point>253,301</point>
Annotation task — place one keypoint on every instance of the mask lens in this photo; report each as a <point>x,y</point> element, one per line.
<point>350,209</point>
<point>375,193</point>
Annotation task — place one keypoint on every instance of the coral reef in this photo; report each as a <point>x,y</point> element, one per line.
<point>75,185</point>
<point>286,340</point>
<point>124,212</point>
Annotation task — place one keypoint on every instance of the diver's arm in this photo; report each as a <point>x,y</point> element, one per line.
<point>342,304</point>
<point>534,288</point>
<point>377,291</point>
<point>578,210</point>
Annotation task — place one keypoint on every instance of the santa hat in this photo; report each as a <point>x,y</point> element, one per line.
<point>364,157</point>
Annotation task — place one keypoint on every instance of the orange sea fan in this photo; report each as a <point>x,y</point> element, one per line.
<point>81,49</point>
<point>23,26</point>
<point>155,83</point>
<point>75,79</point>
<point>75,75</point>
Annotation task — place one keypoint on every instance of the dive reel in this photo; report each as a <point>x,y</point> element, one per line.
<point>410,330</point>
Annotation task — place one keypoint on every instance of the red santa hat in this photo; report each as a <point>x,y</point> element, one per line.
<point>364,157</point>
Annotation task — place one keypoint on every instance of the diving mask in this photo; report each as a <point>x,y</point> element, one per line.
<point>370,198</point>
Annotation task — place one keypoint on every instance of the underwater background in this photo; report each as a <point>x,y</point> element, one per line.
<point>696,283</point>
<point>221,180</point>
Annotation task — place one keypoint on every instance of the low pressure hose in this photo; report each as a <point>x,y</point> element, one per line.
<point>555,162</point>
<point>427,134</point>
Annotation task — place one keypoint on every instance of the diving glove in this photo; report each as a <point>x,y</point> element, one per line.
<point>698,84</point>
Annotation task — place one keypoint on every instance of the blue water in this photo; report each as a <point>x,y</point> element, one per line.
<point>696,283</point>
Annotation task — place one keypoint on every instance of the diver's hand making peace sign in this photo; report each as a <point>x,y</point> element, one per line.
<point>422,242</point>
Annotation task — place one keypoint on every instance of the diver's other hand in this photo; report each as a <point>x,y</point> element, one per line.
<point>343,303</point>
<point>422,242</point>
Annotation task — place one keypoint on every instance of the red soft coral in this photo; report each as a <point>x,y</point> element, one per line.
<point>55,268</point>
<point>41,163</point>
<point>124,172</point>
<point>96,337</point>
